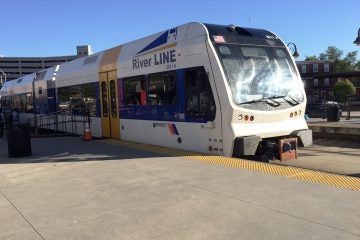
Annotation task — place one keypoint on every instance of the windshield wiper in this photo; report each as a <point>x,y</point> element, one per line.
<point>268,100</point>
<point>295,102</point>
<point>272,102</point>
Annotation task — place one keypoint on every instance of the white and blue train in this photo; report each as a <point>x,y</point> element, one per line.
<point>222,90</point>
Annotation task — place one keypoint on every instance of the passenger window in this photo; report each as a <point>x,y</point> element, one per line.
<point>104,99</point>
<point>89,97</point>
<point>23,103</point>
<point>113,99</point>
<point>135,91</point>
<point>64,98</point>
<point>199,98</point>
<point>29,103</point>
<point>76,97</point>
<point>162,89</point>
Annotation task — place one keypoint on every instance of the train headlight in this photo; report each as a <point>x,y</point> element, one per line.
<point>246,117</point>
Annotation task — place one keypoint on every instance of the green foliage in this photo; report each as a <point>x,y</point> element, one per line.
<point>332,53</point>
<point>311,58</point>
<point>357,66</point>
<point>341,64</point>
<point>351,57</point>
<point>344,89</point>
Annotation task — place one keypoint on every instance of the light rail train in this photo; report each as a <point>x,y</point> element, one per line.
<point>222,90</point>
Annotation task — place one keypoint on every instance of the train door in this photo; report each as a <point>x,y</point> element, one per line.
<point>200,107</point>
<point>110,120</point>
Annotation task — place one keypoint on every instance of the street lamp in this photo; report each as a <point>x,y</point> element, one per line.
<point>357,43</point>
<point>357,40</point>
<point>293,50</point>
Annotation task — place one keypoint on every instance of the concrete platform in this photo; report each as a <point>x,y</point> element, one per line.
<point>343,129</point>
<point>70,189</point>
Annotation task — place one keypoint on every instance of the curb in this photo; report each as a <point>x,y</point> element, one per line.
<point>351,132</point>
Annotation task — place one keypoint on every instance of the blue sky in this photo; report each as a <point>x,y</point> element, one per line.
<point>55,28</point>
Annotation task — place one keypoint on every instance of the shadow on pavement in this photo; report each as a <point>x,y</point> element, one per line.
<point>331,142</point>
<point>73,149</point>
<point>354,175</point>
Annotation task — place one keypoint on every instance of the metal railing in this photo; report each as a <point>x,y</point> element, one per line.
<point>60,123</point>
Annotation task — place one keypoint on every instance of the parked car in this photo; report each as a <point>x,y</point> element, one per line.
<point>315,110</point>
<point>320,110</point>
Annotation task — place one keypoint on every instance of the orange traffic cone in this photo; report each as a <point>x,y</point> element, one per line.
<point>87,134</point>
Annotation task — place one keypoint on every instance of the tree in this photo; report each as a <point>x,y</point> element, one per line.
<point>341,64</point>
<point>351,57</point>
<point>348,63</point>
<point>357,66</point>
<point>311,58</point>
<point>332,53</point>
<point>343,90</point>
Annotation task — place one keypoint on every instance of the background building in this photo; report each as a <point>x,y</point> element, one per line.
<point>15,67</point>
<point>319,79</point>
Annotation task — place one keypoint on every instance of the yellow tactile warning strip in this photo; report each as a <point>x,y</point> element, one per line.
<point>290,172</point>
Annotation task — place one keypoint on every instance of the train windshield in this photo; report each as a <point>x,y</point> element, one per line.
<point>255,73</point>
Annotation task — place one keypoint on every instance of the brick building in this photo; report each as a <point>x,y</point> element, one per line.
<point>319,79</point>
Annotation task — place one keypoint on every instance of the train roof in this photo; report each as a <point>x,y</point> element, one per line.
<point>47,74</point>
<point>83,70</point>
<point>86,69</point>
<point>229,30</point>
<point>17,86</point>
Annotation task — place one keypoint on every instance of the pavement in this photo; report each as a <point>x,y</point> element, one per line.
<point>72,189</point>
<point>332,155</point>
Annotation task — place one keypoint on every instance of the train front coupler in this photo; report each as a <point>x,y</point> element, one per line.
<point>256,148</point>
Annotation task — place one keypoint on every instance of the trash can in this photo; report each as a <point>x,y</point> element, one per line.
<point>333,113</point>
<point>19,144</point>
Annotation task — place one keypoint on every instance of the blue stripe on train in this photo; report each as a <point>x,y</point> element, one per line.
<point>157,42</point>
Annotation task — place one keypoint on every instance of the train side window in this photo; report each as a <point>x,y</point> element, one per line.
<point>29,103</point>
<point>199,98</point>
<point>113,99</point>
<point>64,98</point>
<point>17,102</point>
<point>104,99</point>
<point>22,103</point>
<point>76,97</point>
<point>162,88</point>
<point>89,98</point>
<point>135,91</point>
<point>6,101</point>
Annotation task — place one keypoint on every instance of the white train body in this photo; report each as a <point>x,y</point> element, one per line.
<point>207,88</point>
